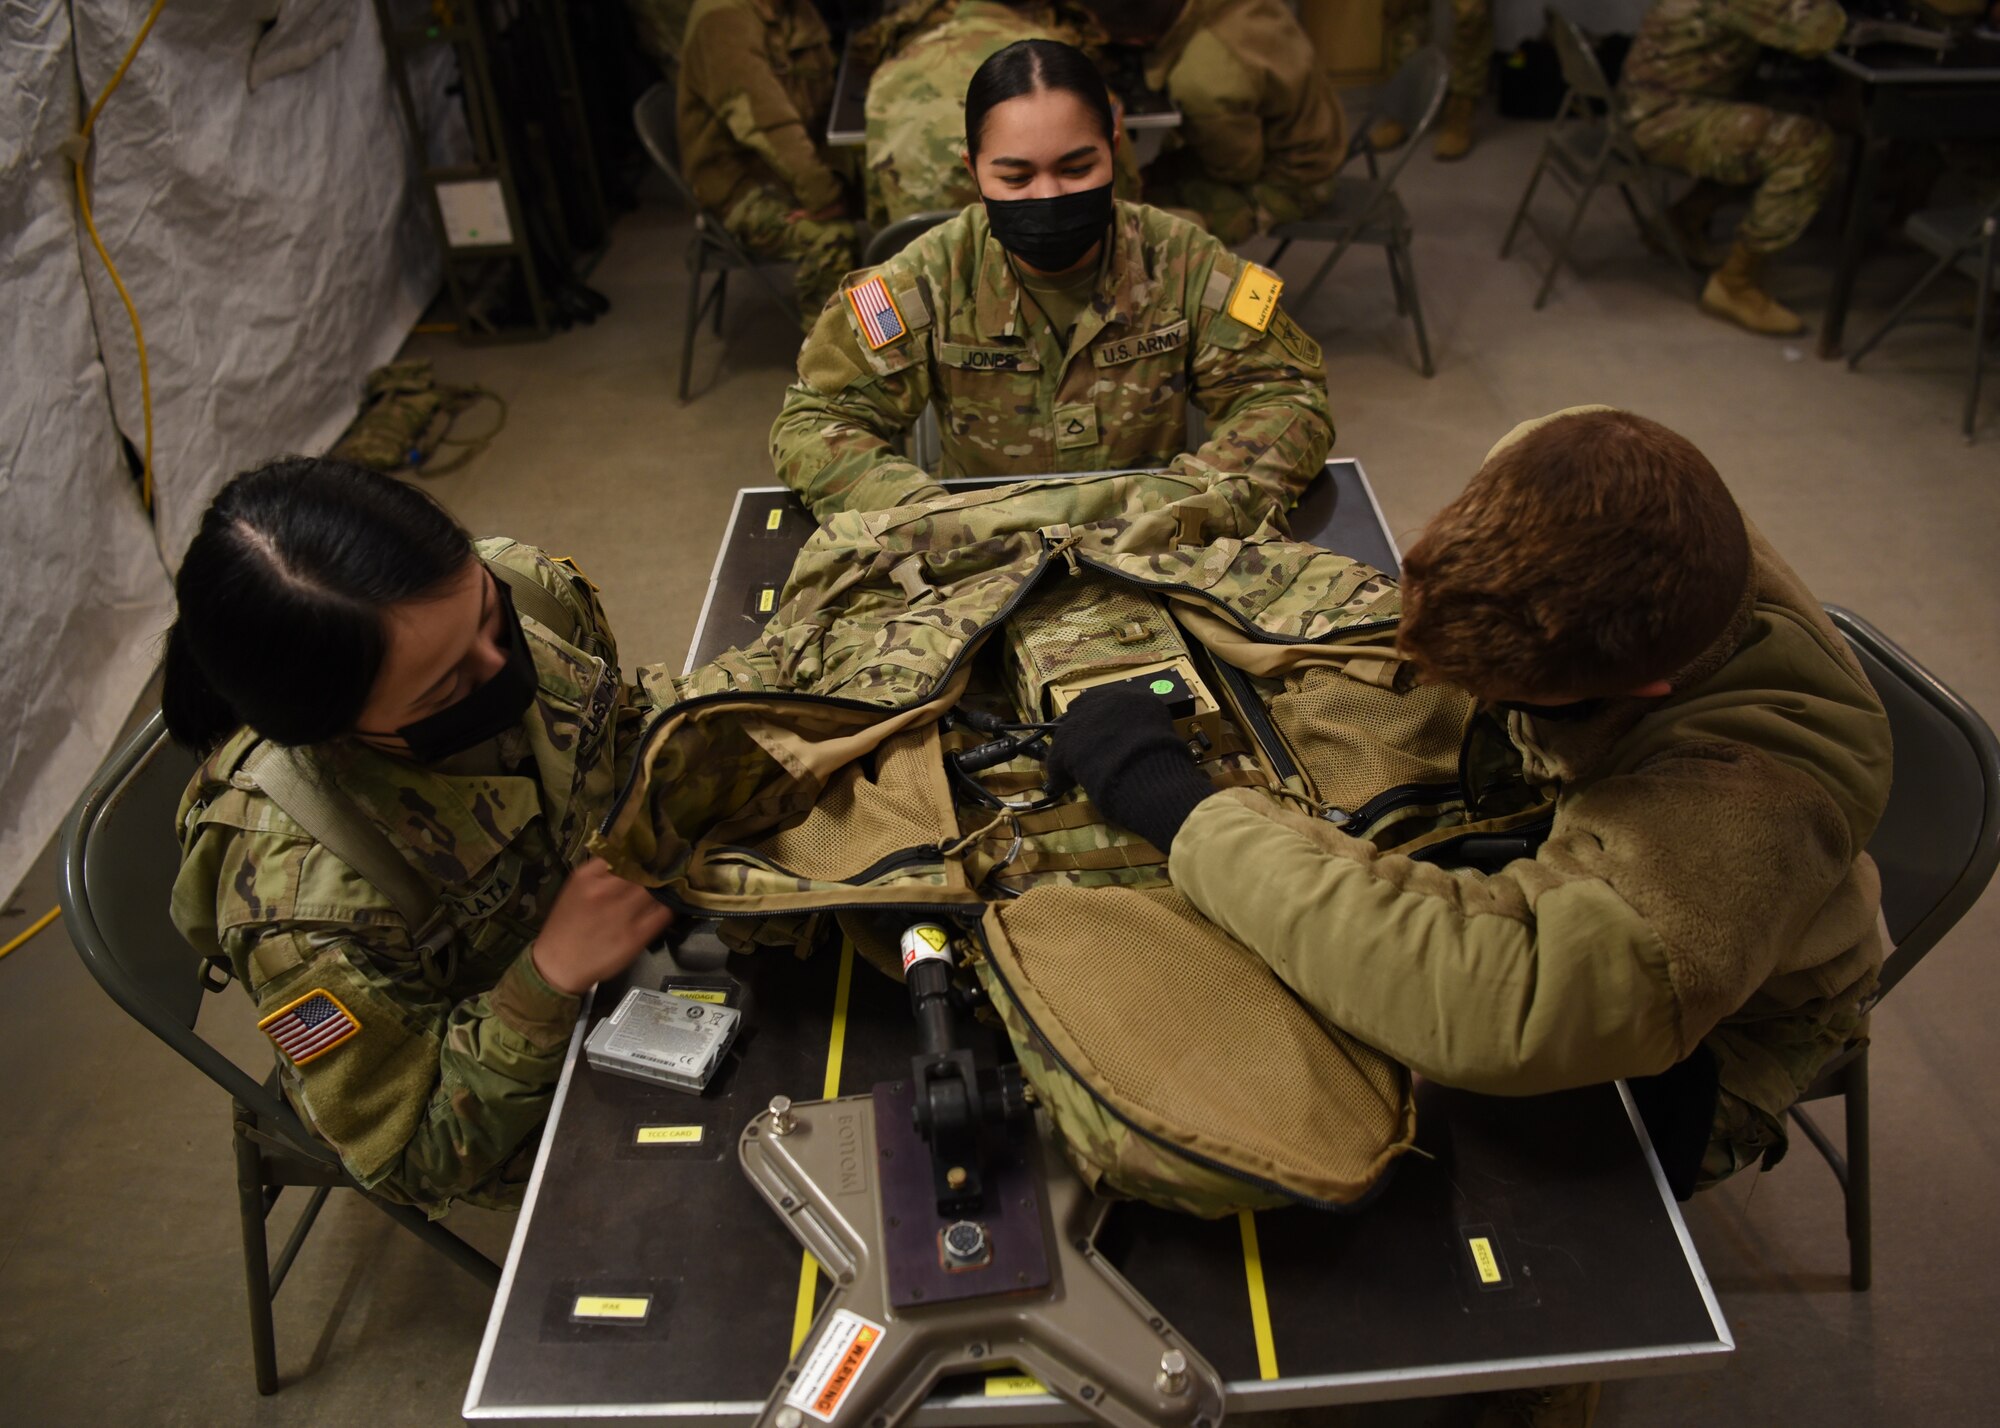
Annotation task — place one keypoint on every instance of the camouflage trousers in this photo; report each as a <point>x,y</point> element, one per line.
<point>1406,25</point>
<point>1789,1054</point>
<point>1233,213</point>
<point>1788,157</point>
<point>821,252</point>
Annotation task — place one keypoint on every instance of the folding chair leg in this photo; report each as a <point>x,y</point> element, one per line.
<point>1860,1199</point>
<point>1909,300</point>
<point>443,1241</point>
<point>1981,309</point>
<point>693,321</point>
<point>721,296</point>
<point>256,1259</point>
<point>1559,250</point>
<point>1409,265</point>
<point>1279,252</point>
<point>1653,220</point>
<point>1396,279</point>
<point>1521,210</point>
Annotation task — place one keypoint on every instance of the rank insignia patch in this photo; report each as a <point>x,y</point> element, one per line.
<point>876,311</point>
<point>1255,296</point>
<point>308,1028</point>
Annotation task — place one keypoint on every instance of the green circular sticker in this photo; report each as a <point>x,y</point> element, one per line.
<point>1162,686</point>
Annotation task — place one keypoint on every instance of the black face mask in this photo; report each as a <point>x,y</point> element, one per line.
<point>1554,713</point>
<point>1051,234</point>
<point>496,705</point>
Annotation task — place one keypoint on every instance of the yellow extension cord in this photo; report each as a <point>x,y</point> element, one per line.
<point>39,923</point>
<point>79,154</point>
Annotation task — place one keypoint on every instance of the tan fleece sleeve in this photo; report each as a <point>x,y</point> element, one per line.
<point>1498,984</point>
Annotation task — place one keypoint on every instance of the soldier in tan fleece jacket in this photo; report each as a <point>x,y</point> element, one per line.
<point>1702,905</point>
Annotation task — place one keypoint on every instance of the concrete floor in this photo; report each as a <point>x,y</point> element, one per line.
<point>120,1286</point>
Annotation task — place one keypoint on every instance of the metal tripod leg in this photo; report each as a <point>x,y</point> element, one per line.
<point>1088,1334</point>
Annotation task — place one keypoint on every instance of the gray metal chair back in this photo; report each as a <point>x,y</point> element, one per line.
<point>713,249</point>
<point>1590,145</point>
<point>900,234</point>
<point>1937,847</point>
<point>118,860</point>
<point>1967,239</point>
<point>1369,210</point>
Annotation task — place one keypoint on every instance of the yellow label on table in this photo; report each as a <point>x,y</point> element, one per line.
<point>775,518</point>
<point>667,1135</point>
<point>767,599</point>
<point>1483,1260</point>
<point>604,1306</point>
<point>1255,297</point>
<point>1014,1385</point>
<point>714,995</point>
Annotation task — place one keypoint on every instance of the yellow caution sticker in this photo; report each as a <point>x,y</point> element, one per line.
<point>667,1135</point>
<point>1483,1259</point>
<point>624,1309</point>
<point>1255,296</point>
<point>1014,1385</point>
<point>775,519</point>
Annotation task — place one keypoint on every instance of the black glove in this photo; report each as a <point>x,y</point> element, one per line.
<point>1119,743</point>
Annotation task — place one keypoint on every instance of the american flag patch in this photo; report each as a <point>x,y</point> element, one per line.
<point>881,320</point>
<point>309,1027</point>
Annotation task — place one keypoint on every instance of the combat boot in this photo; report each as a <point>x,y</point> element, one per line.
<point>1387,134</point>
<point>1736,292</point>
<point>1454,137</point>
<point>1569,1405</point>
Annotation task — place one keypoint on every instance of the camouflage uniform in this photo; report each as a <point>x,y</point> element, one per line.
<point>1011,400</point>
<point>1406,25</point>
<point>1689,58</point>
<point>1261,130</point>
<point>755,87</point>
<point>660,26</point>
<point>440,1095</point>
<point>916,100</point>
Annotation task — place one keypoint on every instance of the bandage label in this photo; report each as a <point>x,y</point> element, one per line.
<point>836,1363</point>
<point>714,996</point>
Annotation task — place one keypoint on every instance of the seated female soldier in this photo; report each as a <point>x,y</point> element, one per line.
<point>1052,327</point>
<point>340,625</point>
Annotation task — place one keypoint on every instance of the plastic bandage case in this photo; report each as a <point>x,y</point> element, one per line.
<point>655,1036</point>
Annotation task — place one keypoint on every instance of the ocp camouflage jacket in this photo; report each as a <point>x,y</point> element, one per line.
<point>439,1094</point>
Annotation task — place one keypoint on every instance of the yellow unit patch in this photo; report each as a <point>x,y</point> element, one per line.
<point>1255,296</point>
<point>311,1026</point>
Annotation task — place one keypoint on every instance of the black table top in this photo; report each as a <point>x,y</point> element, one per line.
<point>1597,1277</point>
<point>1973,58</point>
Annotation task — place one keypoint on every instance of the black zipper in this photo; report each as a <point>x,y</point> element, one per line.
<point>1262,727</point>
<point>1402,796</point>
<point>923,854</point>
<point>1046,1047</point>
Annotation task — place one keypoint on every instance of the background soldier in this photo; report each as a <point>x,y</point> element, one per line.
<point>1689,58</point>
<point>916,99</point>
<point>1406,26</point>
<point>660,25</point>
<point>756,84</point>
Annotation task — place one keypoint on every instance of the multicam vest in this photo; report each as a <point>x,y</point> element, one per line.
<point>813,773</point>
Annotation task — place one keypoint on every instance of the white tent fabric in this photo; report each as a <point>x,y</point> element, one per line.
<point>273,245</point>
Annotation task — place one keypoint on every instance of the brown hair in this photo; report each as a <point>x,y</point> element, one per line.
<point>1595,553</point>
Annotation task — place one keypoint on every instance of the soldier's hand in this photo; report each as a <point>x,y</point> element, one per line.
<point>598,927</point>
<point>1119,744</point>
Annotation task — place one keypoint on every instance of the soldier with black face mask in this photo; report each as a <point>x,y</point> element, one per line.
<point>1053,327</point>
<point>356,673</point>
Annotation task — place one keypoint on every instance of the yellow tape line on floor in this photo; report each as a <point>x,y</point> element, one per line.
<point>1260,1307</point>
<point>836,1045</point>
<point>36,926</point>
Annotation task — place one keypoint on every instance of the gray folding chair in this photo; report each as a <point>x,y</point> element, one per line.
<point>713,249</point>
<point>1967,239</point>
<point>118,858</point>
<point>1369,210</point>
<point>1936,846</point>
<point>1588,146</point>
